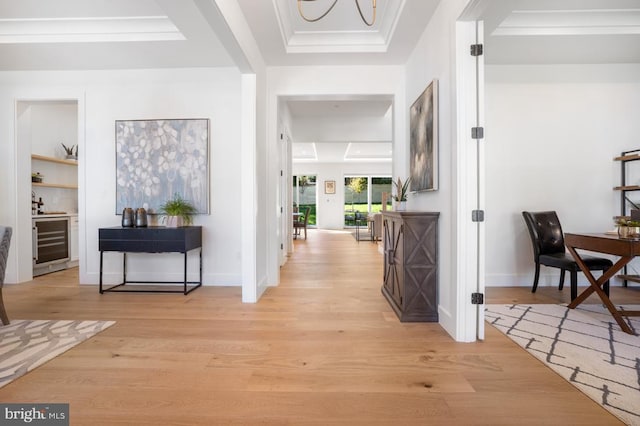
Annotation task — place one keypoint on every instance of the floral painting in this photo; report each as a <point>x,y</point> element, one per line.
<point>156,159</point>
<point>423,142</point>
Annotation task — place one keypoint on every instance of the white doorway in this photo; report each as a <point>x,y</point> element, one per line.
<point>45,130</point>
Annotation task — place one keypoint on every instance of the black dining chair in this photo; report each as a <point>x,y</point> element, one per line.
<point>549,250</point>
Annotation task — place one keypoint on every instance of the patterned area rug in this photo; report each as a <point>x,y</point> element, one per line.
<point>583,345</point>
<point>26,344</point>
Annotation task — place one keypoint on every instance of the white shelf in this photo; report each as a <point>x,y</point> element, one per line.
<point>54,185</point>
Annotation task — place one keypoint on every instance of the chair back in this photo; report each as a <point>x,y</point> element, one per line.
<point>306,215</point>
<point>5,240</point>
<point>545,232</point>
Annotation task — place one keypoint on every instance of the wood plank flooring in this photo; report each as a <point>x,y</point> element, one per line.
<point>323,348</point>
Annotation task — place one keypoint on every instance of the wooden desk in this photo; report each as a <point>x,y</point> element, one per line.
<point>153,239</point>
<point>627,249</point>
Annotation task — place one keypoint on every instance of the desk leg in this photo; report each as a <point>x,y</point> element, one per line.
<point>200,266</point>
<point>100,289</point>
<point>596,286</point>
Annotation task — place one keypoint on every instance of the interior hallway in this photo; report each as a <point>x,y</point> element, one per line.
<point>322,348</point>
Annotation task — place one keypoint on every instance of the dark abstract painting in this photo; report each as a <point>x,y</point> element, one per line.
<point>423,129</point>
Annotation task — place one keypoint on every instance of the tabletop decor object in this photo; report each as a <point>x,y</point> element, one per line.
<point>177,212</point>
<point>627,228</point>
<point>70,151</point>
<point>400,198</point>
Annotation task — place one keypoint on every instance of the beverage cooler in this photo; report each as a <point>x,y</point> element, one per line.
<point>50,244</point>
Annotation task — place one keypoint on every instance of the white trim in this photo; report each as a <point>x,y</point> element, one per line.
<point>21,241</point>
<point>466,236</point>
<point>248,184</point>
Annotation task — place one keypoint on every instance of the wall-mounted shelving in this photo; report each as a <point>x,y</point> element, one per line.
<point>54,160</point>
<point>54,185</point>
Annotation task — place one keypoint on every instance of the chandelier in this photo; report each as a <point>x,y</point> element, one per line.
<point>373,6</point>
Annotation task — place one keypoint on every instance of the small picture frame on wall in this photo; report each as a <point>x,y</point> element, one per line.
<point>329,186</point>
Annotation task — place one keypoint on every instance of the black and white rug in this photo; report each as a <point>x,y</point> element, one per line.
<point>27,344</point>
<point>584,345</point>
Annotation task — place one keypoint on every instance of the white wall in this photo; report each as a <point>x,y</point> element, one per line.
<point>53,124</point>
<point>551,134</point>
<point>330,207</point>
<point>434,58</point>
<point>140,94</point>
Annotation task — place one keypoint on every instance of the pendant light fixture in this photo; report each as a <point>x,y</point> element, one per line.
<point>373,7</point>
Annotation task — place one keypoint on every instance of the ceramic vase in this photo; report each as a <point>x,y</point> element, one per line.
<point>174,221</point>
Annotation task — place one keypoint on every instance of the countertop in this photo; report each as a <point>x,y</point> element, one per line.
<point>39,216</point>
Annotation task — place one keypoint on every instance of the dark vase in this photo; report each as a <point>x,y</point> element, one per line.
<point>127,217</point>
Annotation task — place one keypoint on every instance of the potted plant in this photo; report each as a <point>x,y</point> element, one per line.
<point>70,151</point>
<point>36,177</point>
<point>627,228</point>
<point>402,189</point>
<point>177,212</point>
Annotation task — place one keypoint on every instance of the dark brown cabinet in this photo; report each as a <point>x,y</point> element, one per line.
<point>411,264</point>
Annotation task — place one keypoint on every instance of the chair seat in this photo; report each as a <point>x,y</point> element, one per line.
<point>566,261</point>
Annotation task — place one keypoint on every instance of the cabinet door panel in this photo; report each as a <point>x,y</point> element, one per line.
<point>411,264</point>
<point>393,259</point>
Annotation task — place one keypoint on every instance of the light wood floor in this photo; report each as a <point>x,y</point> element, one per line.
<point>323,348</point>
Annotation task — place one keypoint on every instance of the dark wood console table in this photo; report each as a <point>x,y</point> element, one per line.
<point>153,239</point>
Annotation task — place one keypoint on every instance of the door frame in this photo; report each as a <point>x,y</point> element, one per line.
<point>470,181</point>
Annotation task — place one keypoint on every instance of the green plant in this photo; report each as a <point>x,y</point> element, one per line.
<point>356,185</point>
<point>69,149</point>
<point>625,221</point>
<point>402,189</point>
<point>180,207</point>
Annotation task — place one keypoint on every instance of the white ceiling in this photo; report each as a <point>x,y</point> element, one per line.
<point>111,34</point>
<point>341,38</point>
<point>114,34</point>
<point>107,34</point>
<point>327,108</point>
<point>341,130</point>
<point>562,31</point>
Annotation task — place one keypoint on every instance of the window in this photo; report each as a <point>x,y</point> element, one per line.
<point>356,198</point>
<point>304,195</point>
<point>363,194</point>
<point>378,186</point>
